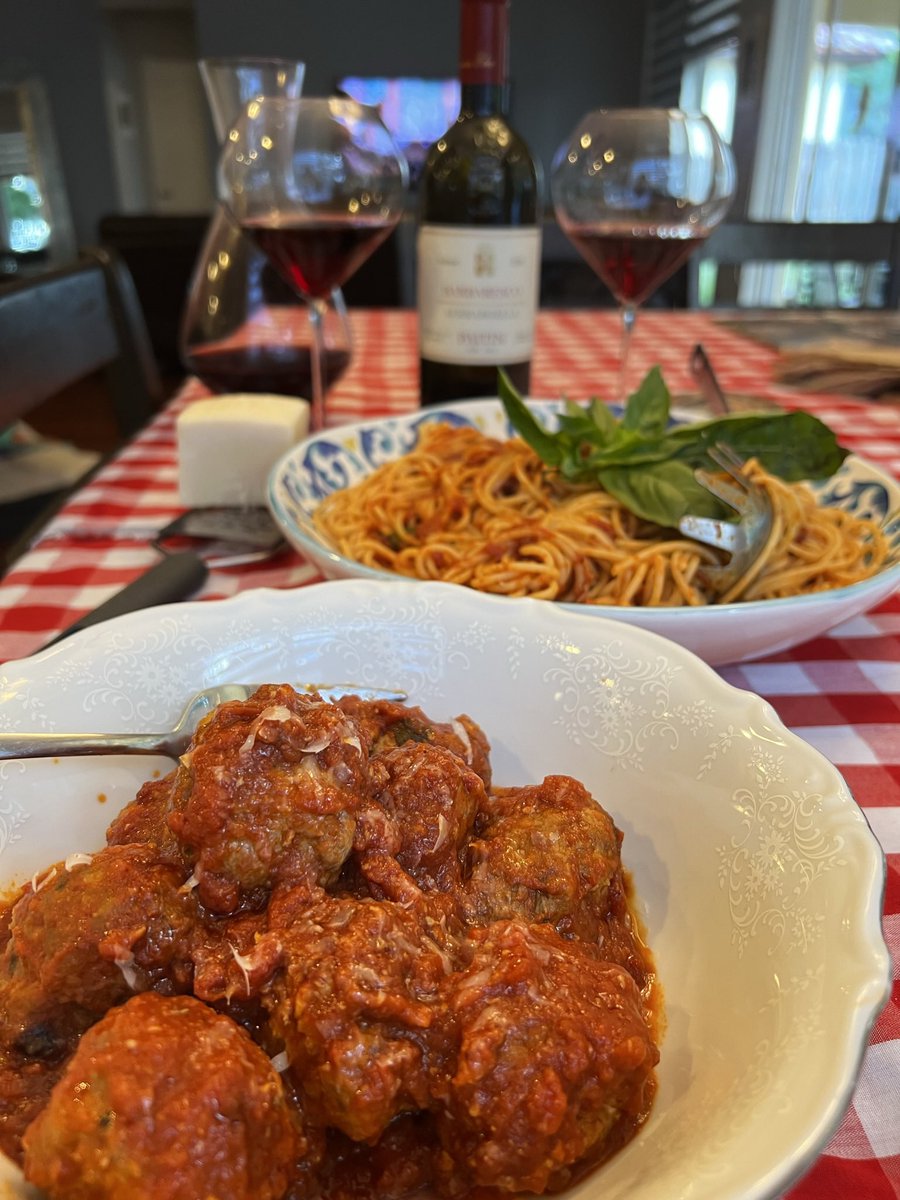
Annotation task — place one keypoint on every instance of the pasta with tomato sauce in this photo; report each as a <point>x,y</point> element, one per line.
<point>462,507</point>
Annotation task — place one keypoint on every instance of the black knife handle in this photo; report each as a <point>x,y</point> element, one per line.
<point>174,577</point>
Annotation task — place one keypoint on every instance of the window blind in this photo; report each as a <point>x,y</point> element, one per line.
<point>677,31</point>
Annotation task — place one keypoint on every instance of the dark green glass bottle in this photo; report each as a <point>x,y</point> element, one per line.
<point>479,242</point>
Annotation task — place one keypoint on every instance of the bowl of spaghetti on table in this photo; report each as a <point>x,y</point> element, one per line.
<point>457,495</point>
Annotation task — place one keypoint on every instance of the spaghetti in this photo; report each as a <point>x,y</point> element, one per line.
<point>465,508</point>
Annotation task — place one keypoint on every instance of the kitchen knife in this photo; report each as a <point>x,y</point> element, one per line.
<point>174,577</point>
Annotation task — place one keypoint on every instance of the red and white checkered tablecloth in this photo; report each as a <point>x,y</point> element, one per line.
<point>840,692</point>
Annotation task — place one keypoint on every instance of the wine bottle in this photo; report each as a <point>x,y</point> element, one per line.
<point>479,238</point>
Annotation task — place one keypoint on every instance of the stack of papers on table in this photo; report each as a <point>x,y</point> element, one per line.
<point>31,465</point>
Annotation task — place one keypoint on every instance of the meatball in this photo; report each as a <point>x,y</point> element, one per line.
<point>555,1062</point>
<point>356,1009</point>
<point>428,799</point>
<point>398,1167</point>
<point>86,936</point>
<point>164,1099</point>
<point>235,958</point>
<point>25,1085</point>
<point>6,910</point>
<point>385,724</point>
<point>321,958</point>
<point>268,793</point>
<point>545,853</point>
<point>146,819</point>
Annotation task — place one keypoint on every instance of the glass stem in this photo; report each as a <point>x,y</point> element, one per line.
<point>629,316</point>
<point>317,309</point>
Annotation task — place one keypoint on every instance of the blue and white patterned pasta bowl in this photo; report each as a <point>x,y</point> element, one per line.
<point>722,633</point>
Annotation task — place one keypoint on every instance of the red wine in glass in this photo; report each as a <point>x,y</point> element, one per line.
<point>278,370</point>
<point>315,185</point>
<point>636,189</point>
<point>317,255</point>
<point>633,261</point>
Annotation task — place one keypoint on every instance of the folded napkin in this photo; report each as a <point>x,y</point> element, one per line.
<point>845,365</point>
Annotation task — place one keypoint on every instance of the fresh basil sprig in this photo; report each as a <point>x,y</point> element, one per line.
<point>648,464</point>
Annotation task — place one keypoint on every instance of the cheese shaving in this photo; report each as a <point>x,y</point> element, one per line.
<point>446,961</point>
<point>275,712</point>
<point>460,730</point>
<point>366,975</point>
<point>244,962</point>
<point>474,984</point>
<point>342,774</point>
<point>78,860</point>
<point>443,831</point>
<point>320,743</point>
<point>37,883</point>
<point>125,963</point>
<point>280,1062</point>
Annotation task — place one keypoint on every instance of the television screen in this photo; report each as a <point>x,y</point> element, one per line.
<point>416,111</point>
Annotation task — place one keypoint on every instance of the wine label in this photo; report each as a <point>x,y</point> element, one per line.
<point>477,293</point>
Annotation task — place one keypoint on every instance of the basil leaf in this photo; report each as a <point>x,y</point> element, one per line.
<point>662,492</point>
<point>544,444</point>
<point>793,446</point>
<point>628,450</point>
<point>604,419</point>
<point>590,429</point>
<point>647,409</point>
<point>649,466</point>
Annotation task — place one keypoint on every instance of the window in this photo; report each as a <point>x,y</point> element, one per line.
<point>22,206</point>
<point>691,61</point>
<point>807,91</point>
<point>35,222</point>
<point>828,143</point>
<point>709,85</point>
<point>847,170</point>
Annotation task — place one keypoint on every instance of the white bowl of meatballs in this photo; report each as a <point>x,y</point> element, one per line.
<point>571,915</point>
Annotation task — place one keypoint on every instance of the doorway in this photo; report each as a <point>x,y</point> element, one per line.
<point>179,175</point>
<point>161,133</point>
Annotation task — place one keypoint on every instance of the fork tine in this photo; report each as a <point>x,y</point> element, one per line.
<point>730,493</point>
<point>736,492</point>
<point>725,535</point>
<point>723,455</point>
<point>744,539</point>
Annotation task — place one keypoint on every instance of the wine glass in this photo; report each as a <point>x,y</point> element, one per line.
<point>239,330</point>
<point>317,184</point>
<point>636,190</point>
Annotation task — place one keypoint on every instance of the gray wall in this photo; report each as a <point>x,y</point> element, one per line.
<point>567,56</point>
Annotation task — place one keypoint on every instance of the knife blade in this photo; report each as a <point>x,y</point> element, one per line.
<point>174,577</point>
